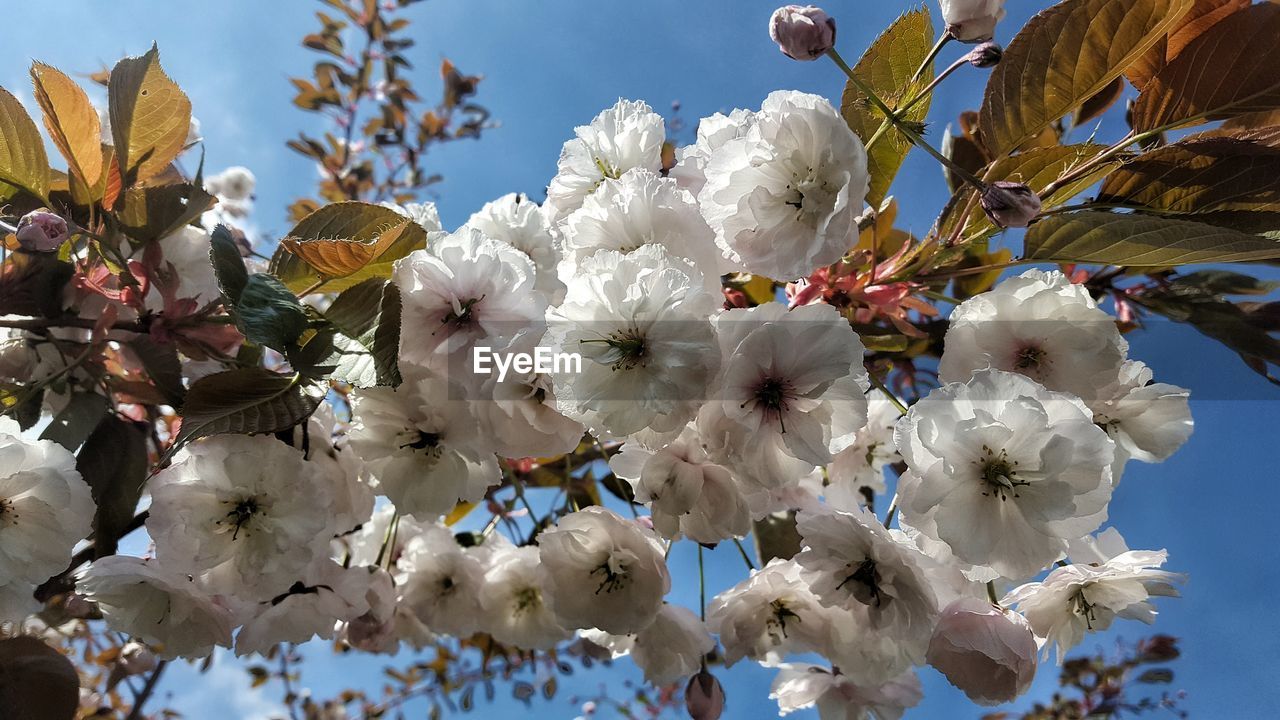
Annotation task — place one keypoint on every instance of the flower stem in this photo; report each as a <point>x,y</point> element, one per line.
<point>743,552</point>
<point>879,385</point>
<point>945,38</point>
<point>702,587</point>
<point>991,592</point>
<point>902,127</point>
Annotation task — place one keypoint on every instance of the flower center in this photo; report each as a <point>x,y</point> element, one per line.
<point>614,576</point>
<point>462,314</point>
<point>864,583</point>
<point>241,513</point>
<point>7,514</point>
<point>807,193</point>
<point>779,616</point>
<point>527,599</point>
<point>420,440</point>
<point>1030,359</point>
<point>1000,474</point>
<point>1081,606</point>
<point>625,349</point>
<point>772,395</point>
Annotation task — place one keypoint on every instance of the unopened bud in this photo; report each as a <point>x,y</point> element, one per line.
<point>704,697</point>
<point>1010,204</point>
<point>803,32</point>
<point>985,55</point>
<point>42,231</point>
<point>972,20</point>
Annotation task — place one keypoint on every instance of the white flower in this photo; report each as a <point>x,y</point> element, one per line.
<point>985,650</point>
<point>188,270</point>
<point>784,197</point>
<point>713,132</point>
<point>442,582</point>
<point>519,415</point>
<point>603,571</point>
<point>972,20</point>
<point>790,381</point>
<point>671,648</point>
<point>862,464</point>
<point>1004,471</point>
<point>641,208</point>
<point>467,290</point>
<point>518,221</point>
<point>512,599</point>
<point>163,607</point>
<point>640,323</point>
<point>1038,324</point>
<point>245,506</point>
<point>1149,421</point>
<point>1107,580</point>
<point>332,461</point>
<point>686,492</point>
<point>45,508</point>
<point>851,561</point>
<point>424,214</point>
<point>769,615</point>
<point>235,183</point>
<point>628,135</point>
<point>421,445</point>
<point>17,601</point>
<point>838,697</point>
<point>364,546</point>
<point>328,594</point>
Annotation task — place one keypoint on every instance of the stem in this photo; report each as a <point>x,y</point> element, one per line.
<point>702,587</point>
<point>945,38</point>
<point>900,125</point>
<point>991,593</point>
<point>71,322</point>
<point>743,552</point>
<point>893,512</point>
<point>879,385</point>
<point>932,295</point>
<point>147,691</point>
<point>928,89</point>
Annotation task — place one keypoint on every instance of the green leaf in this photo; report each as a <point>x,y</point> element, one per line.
<point>36,681</point>
<point>247,401</point>
<point>23,163</point>
<point>76,420</point>
<point>269,314</point>
<point>1233,170</point>
<point>33,283</point>
<point>228,264</point>
<point>344,244</point>
<point>887,67</point>
<point>1063,56</point>
<point>1140,241</point>
<point>150,117</point>
<point>368,316</point>
<point>113,461</point>
<point>1228,70</point>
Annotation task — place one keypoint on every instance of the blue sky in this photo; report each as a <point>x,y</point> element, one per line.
<point>553,64</point>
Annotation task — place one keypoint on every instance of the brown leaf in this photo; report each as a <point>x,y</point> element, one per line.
<point>71,120</point>
<point>23,163</point>
<point>350,241</point>
<point>1063,56</point>
<point>1203,15</point>
<point>36,681</point>
<point>1140,241</point>
<point>1228,70</point>
<point>1098,104</point>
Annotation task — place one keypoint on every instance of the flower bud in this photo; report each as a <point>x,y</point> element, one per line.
<point>704,697</point>
<point>985,55</point>
<point>1010,204</point>
<point>986,651</point>
<point>972,20</point>
<point>802,32</point>
<point>42,231</point>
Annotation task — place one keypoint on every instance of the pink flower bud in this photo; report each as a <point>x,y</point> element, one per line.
<point>42,231</point>
<point>704,697</point>
<point>802,32</point>
<point>986,651</point>
<point>1010,204</point>
<point>985,55</point>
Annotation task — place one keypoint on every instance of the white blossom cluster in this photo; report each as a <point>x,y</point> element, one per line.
<point>718,417</point>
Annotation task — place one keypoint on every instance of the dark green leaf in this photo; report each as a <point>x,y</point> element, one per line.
<point>1156,676</point>
<point>248,401</point>
<point>268,313</point>
<point>76,420</point>
<point>228,263</point>
<point>114,463</point>
<point>33,283</point>
<point>368,316</point>
<point>163,367</point>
